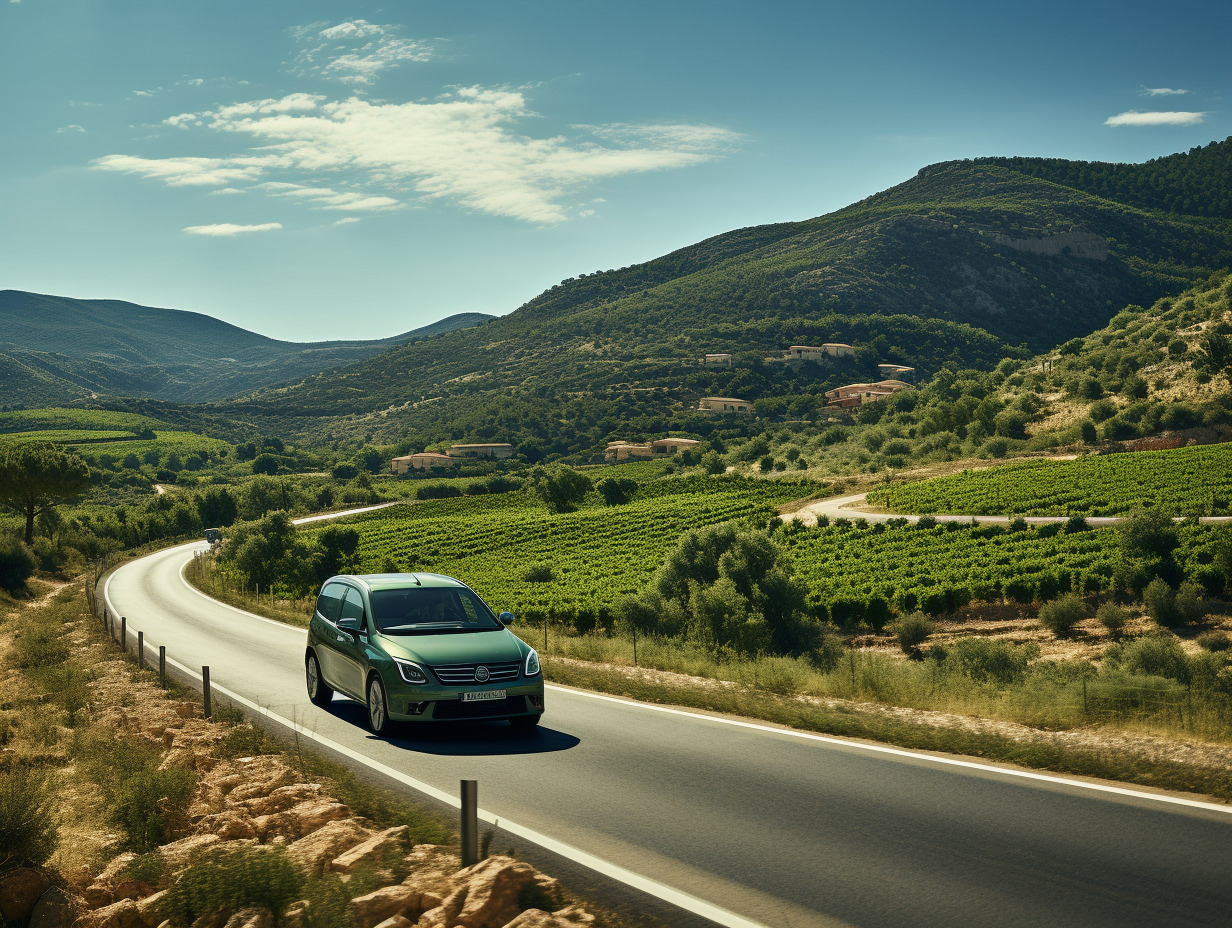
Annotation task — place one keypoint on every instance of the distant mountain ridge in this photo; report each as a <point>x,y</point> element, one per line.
<point>967,262</point>
<point>55,349</point>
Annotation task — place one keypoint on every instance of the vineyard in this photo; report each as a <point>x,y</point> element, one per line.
<point>1182,481</point>
<point>86,420</point>
<point>594,555</point>
<point>101,432</point>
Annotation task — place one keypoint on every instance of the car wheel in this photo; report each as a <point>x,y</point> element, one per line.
<point>319,691</point>
<point>525,722</point>
<point>378,706</point>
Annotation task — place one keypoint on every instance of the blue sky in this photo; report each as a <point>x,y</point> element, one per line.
<point>317,169</point>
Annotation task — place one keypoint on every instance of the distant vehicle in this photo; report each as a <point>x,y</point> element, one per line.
<point>214,537</point>
<point>419,648</point>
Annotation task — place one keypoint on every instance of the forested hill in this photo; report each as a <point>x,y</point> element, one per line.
<point>965,262</point>
<point>56,349</point>
<point>1198,183</point>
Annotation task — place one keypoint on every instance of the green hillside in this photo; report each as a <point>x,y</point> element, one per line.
<point>57,349</point>
<point>962,264</point>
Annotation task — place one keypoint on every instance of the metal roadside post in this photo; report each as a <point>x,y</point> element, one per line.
<point>162,666</point>
<point>470,822</point>
<point>205,690</point>
<point>140,650</point>
<point>124,634</point>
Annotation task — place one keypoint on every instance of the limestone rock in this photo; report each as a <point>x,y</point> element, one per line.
<point>397,921</point>
<point>372,851</point>
<point>148,907</point>
<point>227,825</point>
<point>571,917</point>
<point>493,887</point>
<point>55,909</point>
<point>254,917</point>
<point>122,914</point>
<point>20,890</point>
<point>387,902</point>
<point>315,851</point>
<point>177,854</point>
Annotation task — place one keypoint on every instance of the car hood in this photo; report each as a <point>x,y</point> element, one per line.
<point>462,648</point>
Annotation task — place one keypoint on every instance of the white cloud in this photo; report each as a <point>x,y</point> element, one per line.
<point>1134,118</point>
<point>1163,92</point>
<point>354,52</point>
<point>73,128</point>
<point>226,192</point>
<point>464,147</point>
<point>346,220</point>
<point>228,228</point>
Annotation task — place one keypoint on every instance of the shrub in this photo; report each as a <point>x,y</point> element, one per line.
<point>986,660</point>
<point>222,881</point>
<point>538,573</point>
<point>828,653</point>
<point>1113,617</point>
<point>40,645</point>
<point>17,564</point>
<point>1075,524</point>
<point>1214,641</point>
<point>1190,603</point>
<point>1152,656</point>
<point>1160,602</point>
<point>146,803</point>
<point>28,831</point>
<point>912,631</point>
<point>1062,614</point>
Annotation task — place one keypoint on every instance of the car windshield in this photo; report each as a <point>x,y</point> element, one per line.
<point>428,610</point>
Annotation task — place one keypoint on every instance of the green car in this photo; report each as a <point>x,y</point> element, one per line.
<point>419,648</point>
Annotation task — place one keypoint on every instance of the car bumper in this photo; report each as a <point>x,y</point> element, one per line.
<point>445,704</point>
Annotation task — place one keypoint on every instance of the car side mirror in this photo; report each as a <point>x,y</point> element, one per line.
<point>350,625</point>
<point>506,618</point>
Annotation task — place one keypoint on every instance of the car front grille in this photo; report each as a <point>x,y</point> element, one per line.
<point>464,674</point>
<point>488,708</point>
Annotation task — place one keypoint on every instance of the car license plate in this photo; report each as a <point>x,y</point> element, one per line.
<point>482,695</point>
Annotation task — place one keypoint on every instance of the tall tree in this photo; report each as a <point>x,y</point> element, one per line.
<point>34,476</point>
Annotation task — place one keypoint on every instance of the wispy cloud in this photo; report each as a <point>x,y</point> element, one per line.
<point>1163,92</point>
<point>464,147</point>
<point>1134,118</point>
<point>354,52</point>
<point>73,128</point>
<point>346,220</point>
<point>228,228</point>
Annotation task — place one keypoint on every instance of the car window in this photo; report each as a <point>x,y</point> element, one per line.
<point>426,609</point>
<point>329,603</point>
<point>352,606</point>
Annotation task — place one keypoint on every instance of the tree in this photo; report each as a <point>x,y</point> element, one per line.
<point>265,464</point>
<point>617,490</point>
<point>35,476</point>
<point>562,488</point>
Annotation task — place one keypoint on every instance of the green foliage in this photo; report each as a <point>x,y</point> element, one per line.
<point>221,881</point>
<point>271,551</point>
<point>911,631</point>
<point>985,660</point>
<point>561,488</point>
<point>29,832</point>
<point>1172,482</point>
<point>616,491</point>
<point>38,645</point>
<point>17,564</point>
<point>1062,614</point>
<point>1214,641</point>
<point>538,573</point>
<point>735,588</point>
<point>36,476</point>
<point>1151,655</point>
<point>1113,617</point>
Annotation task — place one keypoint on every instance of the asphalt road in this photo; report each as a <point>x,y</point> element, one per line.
<point>768,826</point>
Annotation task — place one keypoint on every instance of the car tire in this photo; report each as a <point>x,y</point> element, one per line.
<point>525,722</point>
<point>378,706</point>
<point>319,692</point>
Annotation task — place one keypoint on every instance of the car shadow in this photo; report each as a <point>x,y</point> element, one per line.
<point>462,738</point>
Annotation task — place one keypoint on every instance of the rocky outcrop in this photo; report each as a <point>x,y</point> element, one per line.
<point>1073,244</point>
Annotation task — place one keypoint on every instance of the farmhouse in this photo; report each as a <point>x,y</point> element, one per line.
<point>717,360</point>
<point>424,460</point>
<point>718,404</point>
<point>497,451</point>
<point>641,451</point>
<point>855,394</point>
<point>817,353</point>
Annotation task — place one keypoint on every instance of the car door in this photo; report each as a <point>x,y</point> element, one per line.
<point>326,633</point>
<point>350,648</point>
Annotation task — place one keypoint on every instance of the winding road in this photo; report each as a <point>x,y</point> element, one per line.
<point>719,820</point>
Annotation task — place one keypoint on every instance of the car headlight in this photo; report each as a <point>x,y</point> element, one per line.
<point>532,664</point>
<point>410,672</point>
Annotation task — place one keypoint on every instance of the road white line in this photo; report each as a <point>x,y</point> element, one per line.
<point>901,752</point>
<point>636,881</point>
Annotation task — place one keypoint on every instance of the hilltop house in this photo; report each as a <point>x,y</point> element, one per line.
<point>719,404</point>
<point>641,451</point>
<point>497,451</point>
<point>424,460</point>
<point>817,353</point>
<point>855,394</point>
<point>717,360</point>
